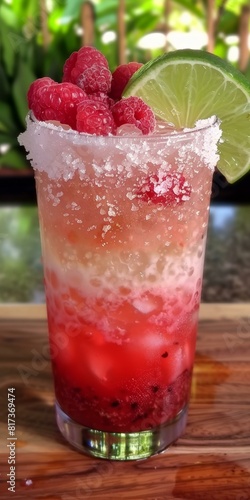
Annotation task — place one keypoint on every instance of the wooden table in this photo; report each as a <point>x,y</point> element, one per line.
<point>211,461</point>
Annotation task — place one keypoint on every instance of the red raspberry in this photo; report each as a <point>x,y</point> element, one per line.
<point>89,56</point>
<point>88,68</point>
<point>100,96</point>
<point>94,117</point>
<point>35,88</point>
<point>57,101</point>
<point>170,189</point>
<point>81,60</point>
<point>134,110</point>
<point>68,66</point>
<point>95,79</point>
<point>120,78</point>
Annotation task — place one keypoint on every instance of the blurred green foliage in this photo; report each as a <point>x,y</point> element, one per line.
<point>21,275</point>
<point>25,55</point>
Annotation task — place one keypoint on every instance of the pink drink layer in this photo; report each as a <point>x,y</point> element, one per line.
<point>122,272</point>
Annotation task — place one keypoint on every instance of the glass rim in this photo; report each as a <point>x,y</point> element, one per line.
<point>201,125</point>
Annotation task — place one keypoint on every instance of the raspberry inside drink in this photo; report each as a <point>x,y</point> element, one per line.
<point>123,226</point>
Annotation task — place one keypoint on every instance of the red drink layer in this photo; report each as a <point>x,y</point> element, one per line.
<point>123,226</point>
<point>133,378</point>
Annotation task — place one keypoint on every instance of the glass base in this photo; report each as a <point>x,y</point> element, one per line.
<point>121,445</point>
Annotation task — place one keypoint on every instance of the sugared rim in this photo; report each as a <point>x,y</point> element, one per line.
<point>204,124</point>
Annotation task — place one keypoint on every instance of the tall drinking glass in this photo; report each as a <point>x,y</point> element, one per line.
<point>123,228</point>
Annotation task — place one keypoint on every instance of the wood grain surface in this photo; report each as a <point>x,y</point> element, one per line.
<point>210,462</point>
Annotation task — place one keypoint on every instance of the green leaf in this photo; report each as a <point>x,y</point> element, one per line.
<point>8,139</point>
<point>144,24</point>
<point>109,20</point>
<point>190,7</point>
<point>57,20</point>
<point>8,17</point>
<point>236,5</point>
<point>71,11</point>
<point>4,87</point>
<point>25,9</point>
<point>228,23</point>
<point>13,158</point>
<point>220,49</point>
<point>24,78</point>
<point>102,8</point>
<point>7,122</point>
<point>8,53</point>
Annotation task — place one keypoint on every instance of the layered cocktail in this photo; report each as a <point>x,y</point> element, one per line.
<point>123,240</point>
<point>123,195</point>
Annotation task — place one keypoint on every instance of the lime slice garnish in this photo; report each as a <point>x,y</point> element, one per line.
<point>188,85</point>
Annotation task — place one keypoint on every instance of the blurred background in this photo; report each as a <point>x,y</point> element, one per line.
<point>36,36</point>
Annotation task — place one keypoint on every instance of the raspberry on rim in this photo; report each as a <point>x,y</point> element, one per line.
<point>86,75</point>
<point>134,111</point>
<point>82,59</point>
<point>120,78</point>
<point>35,87</point>
<point>94,117</point>
<point>68,67</point>
<point>55,101</point>
<point>95,79</point>
<point>88,68</point>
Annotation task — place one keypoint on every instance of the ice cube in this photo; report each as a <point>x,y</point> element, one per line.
<point>145,305</point>
<point>128,130</point>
